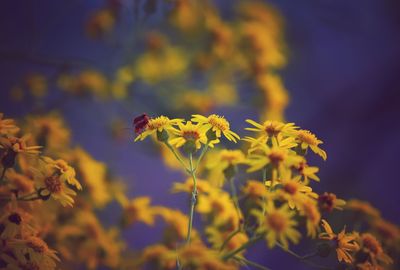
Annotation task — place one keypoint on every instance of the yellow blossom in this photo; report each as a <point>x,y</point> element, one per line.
<point>158,124</point>
<point>217,124</point>
<point>307,139</point>
<point>138,210</point>
<point>7,126</point>
<point>191,134</point>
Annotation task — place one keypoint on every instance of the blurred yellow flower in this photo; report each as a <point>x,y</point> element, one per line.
<point>7,126</point>
<point>217,124</point>
<point>308,139</point>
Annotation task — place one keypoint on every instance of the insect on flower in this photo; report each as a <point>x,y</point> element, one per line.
<point>140,123</point>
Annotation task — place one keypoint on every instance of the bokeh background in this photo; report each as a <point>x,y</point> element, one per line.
<point>342,76</point>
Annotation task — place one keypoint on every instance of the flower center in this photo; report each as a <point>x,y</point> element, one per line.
<point>158,122</point>
<point>15,218</point>
<point>218,122</point>
<point>277,222</point>
<point>191,135</point>
<point>290,188</point>
<point>276,157</point>
<point>53,184</point>
<point>272,129</point>
<point>307,137</point>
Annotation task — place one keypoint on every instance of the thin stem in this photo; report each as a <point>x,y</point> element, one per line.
<point>235,198</point>
<point>230,236</point>
<point>256,265</point>
<point>193,199</point>
<point>177,156</point>
<point>243,247</point>
<point>2,175</point>
<point>203,152</point>
<point>264,178</point>
<point>303,258</point>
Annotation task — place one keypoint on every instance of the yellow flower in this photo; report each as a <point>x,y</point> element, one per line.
<point>7,126</point>
<point>48,177</point>
<point>16,221</point>
<point>202,186</point>
<point>328,201</point>
<point>138,210</point>
<point>308,139</point>
<point>218,124</point>
<point>277,225</point>
<point>279,158</point>
<point>217,238</point>
<point>371,246</point>
<point>66,172</point>
<point>36,250</point>
<point>273,130</point>
<point>293,190</point>
<point>309,210</point>
<point>307,172</point>
<point>363,207</point>
<point>192,134</point>
<point>254,189</point>
<point>222,164</point>
<point>18,145</point>
<point>158,124</point>
<point>344,243</point>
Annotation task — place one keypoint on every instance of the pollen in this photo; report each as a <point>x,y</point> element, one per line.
<point>291,188</point>
<point>218,122</point>
<point>277,222</point>
<point>307,137</point>
<point>276,157</point>
<point>191,135</point>
<point>272,128</point>
<point>53,184</point>
<point>37,244</point>
<point>158,122</point>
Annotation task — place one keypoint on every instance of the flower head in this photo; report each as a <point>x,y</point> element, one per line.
<point>190,134</point>
<point>218,124</point>
<point>307,139</point>
<point>278,225</point>
<point>344,243</point>
<point>158,124</point>
<point>7,126</point>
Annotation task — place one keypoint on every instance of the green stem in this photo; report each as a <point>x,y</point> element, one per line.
<point>235,198</point>
<point>177,156</point>
<point>243,247</point>
<point>193,199</point>
<point>230,236</point>
<point>203,152</point>
<point>256,265</point>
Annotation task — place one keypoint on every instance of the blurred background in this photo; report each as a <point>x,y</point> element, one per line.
<point>341,71</point>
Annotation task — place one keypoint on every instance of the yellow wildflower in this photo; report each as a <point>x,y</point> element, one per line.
<point>328,201</point>
<point>307,172</point>
<point>363,207</point>
<point>65,172</point>
<point>158,124</point>
<point>344,243</point>
<point>16,221</point>
<point>254,189</point>
<point>307,139</point>
<point>277,224</point>
<point>138,210</point>
<point>203,186</point>
<point>309,210</point>
<point>7,126</point>
<point>217,124</point>
<point>223,164</point>
<point>371,246</point>
<point>189,134</point>
<point>273,130</point>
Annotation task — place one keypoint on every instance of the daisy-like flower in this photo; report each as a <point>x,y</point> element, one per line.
<point>7,126</point>
<point>158,124</point>
<point>371,246</point>
<point>10,147</point>
<point>218,124</point>
<point>66,172</point>
<point>274,130</point>
<point>138,210</point>
<point>37,250</point>
<point>328,201</point>
<point>307,172</point>
<point>293,190</point>
<point>278,224</point>
<point>190,135</point>
<point>343,243</point>
<point>279,158</point>
<point>15,221</point>
<point>307,139</point>
<point>49,178</point>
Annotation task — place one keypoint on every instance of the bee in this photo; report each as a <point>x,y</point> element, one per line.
<point>140,122</point>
